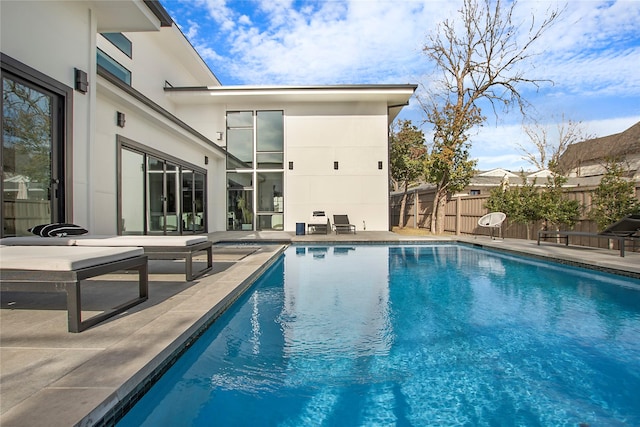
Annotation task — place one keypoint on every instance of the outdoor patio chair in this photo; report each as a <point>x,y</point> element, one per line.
<point>155,247</point>
<point>341,224</point>
<point>62,268</point>
<point>318,223</point>
<point>628,228</point>
<point>493,221</point>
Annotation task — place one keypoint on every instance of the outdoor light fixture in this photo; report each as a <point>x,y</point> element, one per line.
<point>206,160</point>
<point>290,165</point>
<point>81,81</point>
<point>120,119</point>
<point>335,165</point>
<point>380,165</point>
<point>219,136</point>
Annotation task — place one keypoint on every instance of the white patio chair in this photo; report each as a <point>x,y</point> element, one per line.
<point>492,221</point>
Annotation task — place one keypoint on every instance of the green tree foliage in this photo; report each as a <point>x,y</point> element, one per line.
<point>477,57</point>
<point>448,164</point>
<point>556,209</point>
<point>406,160</point>
<point>527,204</point>
<point>614,198</point>
<point>521,204</point>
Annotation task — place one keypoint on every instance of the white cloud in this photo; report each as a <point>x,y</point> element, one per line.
<point>591,54</point>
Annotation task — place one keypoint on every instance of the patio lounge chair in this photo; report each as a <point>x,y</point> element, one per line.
<point>628,228</point>
<point>61,269</point>
<point>492,221</point>
<point>318,223</point>
<point>341,224</point>
<point>155,247</point>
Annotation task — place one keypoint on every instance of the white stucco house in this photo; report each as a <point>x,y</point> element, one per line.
<point>111,120</point>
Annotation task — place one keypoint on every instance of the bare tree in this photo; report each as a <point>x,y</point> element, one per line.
<point>546,146</point>
<point>481,59</point>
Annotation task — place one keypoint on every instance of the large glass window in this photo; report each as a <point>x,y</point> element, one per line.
<point>269,140</point>
<point>255,147</point>
<point>239,140</point>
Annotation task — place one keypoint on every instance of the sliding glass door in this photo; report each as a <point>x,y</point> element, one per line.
<point>158,195</point>
<point>193,201</point>
<point>132,218</point>
<point>32,172</point>
<point>162,191</point>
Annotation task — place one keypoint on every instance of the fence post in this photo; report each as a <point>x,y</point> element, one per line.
<point>415,208</point>
<point>458,215</point>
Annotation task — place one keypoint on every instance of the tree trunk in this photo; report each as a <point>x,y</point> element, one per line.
<point>403,207</point>
<point>434,212</point>
<point>442,203</point>
<point>437,216</point>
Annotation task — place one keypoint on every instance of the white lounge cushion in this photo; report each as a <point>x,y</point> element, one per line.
<point>61,258</point>
<point>117,241</point>
<point>38,241</point>
<point>318,220</point>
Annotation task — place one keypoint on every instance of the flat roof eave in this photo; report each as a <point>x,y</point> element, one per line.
<point>393,95</point>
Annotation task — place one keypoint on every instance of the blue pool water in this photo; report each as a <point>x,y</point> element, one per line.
<point>411,336</point>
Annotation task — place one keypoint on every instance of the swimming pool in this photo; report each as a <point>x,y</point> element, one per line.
<point>411,335</point>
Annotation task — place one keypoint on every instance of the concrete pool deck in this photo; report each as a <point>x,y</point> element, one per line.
<point>51,377</point>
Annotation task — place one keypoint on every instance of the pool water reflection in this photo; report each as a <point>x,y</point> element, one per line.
<point>412,335</point>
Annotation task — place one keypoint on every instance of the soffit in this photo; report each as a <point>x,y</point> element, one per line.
<point>124,15</point>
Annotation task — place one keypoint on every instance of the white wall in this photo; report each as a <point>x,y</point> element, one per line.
<point>54,38</point>
<point>355,135</point>
<point>147,128</point>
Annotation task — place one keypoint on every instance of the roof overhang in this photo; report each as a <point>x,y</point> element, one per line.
<point>394,96</point>
<point>130,15</point>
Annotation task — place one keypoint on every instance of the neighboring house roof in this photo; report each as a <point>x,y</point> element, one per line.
<point>498,172</point>
<point>544,173</point>
<point>617,146</point>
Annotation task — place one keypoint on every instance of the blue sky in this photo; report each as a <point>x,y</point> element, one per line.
<point>592,55</point>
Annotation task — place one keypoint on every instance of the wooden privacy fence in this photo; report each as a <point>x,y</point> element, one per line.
<point>463,212</point>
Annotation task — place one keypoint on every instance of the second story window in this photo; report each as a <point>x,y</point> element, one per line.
<point>121,42</point>
<point>113,67</point>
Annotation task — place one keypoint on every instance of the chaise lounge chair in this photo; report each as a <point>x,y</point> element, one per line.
<point>61,269</point>
<point>318,223</point>
<point>155,247</point>
<point>628,228</point>
<point>341,224</point>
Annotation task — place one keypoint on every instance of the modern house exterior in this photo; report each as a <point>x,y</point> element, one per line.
<point>111,120</point>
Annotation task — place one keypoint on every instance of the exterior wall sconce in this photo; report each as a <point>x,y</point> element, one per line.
<point>206,160</point>
<point>81,81</point>
<point>219,136</point>
<point>335,165</point>
<point>120,119</point>
<point>290,166</point>
<point>380,165</point>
